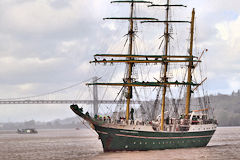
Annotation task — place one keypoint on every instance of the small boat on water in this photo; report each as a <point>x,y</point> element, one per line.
<point>27,131</point>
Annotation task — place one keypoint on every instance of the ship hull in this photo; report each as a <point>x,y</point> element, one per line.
<point>130,140</point>
<point>115,139</point>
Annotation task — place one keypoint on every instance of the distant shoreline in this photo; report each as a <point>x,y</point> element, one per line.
<point>3,131</point>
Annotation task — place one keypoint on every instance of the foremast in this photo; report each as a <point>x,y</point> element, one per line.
<point>131,34</point>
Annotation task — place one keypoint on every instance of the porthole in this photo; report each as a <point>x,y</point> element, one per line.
<point>134,142</point>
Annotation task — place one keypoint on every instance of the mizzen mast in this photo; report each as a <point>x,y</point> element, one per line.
<point>190,67</point>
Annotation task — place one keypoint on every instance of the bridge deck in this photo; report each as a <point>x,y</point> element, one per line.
<point>65,102</point>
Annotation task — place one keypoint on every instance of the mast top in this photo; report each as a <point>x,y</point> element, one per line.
<point>133,1</point>
<point>130,18</point>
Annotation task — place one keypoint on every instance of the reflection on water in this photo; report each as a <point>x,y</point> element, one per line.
<point>83,144</point>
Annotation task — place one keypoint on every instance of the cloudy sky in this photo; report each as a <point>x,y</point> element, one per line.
<point>45,45</point>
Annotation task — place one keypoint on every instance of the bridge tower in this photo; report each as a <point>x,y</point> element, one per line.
<point>95,97</point>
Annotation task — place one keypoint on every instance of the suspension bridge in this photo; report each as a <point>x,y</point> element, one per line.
<point>64,102</point>
<point>95,102</point>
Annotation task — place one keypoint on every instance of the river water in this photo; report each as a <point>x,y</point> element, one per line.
<point>71,144</point>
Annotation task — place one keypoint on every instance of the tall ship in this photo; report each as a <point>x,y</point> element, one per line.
<point>164,122</point>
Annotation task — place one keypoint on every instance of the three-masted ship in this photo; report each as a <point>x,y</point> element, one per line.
<point>192,129</point>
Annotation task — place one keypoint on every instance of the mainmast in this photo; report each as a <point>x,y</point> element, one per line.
<point>165,78</point>
<point>130,65</point>
<point>190,67</point>
<point>165,64</point>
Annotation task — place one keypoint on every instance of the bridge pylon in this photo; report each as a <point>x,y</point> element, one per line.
<point>95,97</point>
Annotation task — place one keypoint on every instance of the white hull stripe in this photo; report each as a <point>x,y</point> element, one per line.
<point>102,132</point>
<point>122,135</point>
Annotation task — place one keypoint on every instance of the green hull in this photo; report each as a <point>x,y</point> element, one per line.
<point>131,140</point>
<point>114,139</point>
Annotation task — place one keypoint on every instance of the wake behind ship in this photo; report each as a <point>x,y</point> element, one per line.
<point>167,129</point>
